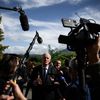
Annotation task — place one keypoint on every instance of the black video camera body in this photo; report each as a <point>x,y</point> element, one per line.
<point>80,35</point>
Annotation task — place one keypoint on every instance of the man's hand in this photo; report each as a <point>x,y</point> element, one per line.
<point>38,81</point>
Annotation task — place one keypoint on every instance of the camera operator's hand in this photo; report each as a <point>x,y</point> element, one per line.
<point>93,51</point>
<point>18,95</point>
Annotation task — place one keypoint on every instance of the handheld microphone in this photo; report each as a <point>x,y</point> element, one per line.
<point>64,80</point>
<point>39,39</point>
<point>24,21</point>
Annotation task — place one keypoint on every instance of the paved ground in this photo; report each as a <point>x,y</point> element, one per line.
<point>29,96</point>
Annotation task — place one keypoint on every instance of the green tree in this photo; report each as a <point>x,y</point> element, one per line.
<point>62,55</point>
<point>2,48</point>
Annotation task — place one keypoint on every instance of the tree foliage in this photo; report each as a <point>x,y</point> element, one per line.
<point>63,55</point>
<point>2,47</point>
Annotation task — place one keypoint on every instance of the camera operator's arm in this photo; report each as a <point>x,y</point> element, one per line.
<point>93,51</point>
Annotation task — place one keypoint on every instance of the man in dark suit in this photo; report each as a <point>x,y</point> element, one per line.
<point>42,80</point>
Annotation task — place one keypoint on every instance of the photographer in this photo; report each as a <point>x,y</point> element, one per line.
<point>93,69</point>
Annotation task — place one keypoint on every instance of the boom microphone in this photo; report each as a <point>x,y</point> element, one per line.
<point>39,39</point>
<point>24,21</point>
<point>23,18</point>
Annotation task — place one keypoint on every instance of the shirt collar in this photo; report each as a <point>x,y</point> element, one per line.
<point>47,66</point>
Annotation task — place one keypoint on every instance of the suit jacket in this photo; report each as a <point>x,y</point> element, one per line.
<point>51,72</point>
<point>46,90</point>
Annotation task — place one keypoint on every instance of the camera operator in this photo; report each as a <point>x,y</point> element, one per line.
<point>84,39</point>
<point>93,69</point>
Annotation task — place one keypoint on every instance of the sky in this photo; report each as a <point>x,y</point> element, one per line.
<point>44,16</point>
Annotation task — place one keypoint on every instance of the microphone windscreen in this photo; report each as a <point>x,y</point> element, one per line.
<point>24,22</point>
<point>39,39</point>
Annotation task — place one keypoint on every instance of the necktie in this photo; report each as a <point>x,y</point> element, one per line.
<point>44,72</point>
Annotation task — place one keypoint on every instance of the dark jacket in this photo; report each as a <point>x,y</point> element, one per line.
<point>46,90</point>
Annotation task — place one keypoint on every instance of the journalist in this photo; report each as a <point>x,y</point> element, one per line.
<point>17,94</point>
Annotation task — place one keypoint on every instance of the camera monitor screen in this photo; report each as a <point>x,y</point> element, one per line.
<point>69,23</point>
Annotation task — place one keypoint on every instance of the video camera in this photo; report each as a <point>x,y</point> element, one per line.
<point>81,34</point>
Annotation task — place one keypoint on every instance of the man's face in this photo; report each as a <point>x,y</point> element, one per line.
<point>46,59</point>
<point>58,64</point>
